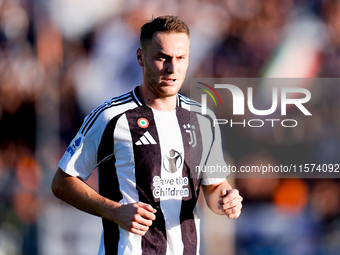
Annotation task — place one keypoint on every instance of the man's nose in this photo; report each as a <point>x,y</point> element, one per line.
<point>171,66</point>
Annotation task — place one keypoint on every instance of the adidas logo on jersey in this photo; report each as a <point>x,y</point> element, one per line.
<point>146,139</point>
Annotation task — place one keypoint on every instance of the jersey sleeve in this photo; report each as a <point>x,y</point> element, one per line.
<point>80,158</point>
<point>214,169</point>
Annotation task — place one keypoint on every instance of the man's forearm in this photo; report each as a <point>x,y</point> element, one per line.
<point>135,217</point>
<point>75,192</point>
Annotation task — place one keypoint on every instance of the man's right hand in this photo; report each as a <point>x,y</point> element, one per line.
<point>135,218</point>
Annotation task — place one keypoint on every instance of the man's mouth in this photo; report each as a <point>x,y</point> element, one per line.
<point>170,80</point>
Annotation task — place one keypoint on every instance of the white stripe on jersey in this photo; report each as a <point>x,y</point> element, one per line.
<point>166,123</point>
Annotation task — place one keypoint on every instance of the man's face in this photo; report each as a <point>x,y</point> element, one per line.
<point>165,63</point>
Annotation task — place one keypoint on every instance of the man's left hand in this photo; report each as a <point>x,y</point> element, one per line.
<point>230,203</point>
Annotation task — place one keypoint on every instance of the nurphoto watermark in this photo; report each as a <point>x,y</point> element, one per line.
<point>270,127</point>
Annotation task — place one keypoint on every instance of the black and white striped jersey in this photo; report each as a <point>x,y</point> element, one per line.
<point>146,155</point>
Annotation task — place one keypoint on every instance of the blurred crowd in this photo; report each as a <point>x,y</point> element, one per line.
<point>53,72</point>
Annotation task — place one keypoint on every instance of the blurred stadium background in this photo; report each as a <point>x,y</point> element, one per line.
<point>59,59</point>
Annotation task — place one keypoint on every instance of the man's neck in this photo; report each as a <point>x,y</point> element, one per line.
<point>166,104</point>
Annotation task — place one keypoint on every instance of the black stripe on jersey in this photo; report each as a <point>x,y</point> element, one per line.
<point>109,185</point>
<point>147,165</point>
<point>213,134</point>
<point>190,102</point>
<point>192,157</point>
<point>94,117</point>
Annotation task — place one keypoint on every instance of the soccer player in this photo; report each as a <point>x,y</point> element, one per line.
<point>144,145</point>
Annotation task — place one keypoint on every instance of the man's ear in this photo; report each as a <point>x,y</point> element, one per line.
<point>140,57</point>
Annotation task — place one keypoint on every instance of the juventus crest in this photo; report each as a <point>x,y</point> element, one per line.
<point>191,130</point>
